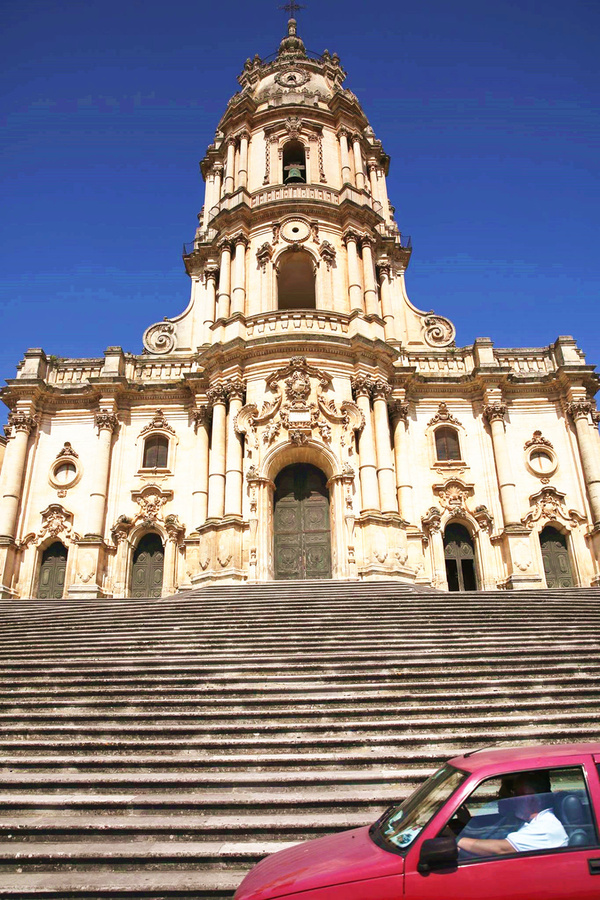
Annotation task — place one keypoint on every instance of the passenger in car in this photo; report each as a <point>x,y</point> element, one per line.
<point>541,830</point>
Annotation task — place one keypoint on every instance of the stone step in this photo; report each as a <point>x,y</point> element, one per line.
<point>198,884</point>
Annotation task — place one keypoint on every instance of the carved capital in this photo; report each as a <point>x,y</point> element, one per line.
<point>218,168</point>
<point>399,410</point>
<point>211,272</point>
<point>224,245</point>
<point>217,394</point>
<point>201,416</point>
<point>356,137</point>
<point>106,420</point>
<point>361,386</point>
<point>351,235</point>
<point>343,132</point>
<point>580,409</point>
<point>494,412</point>
<point>20,421</point>
<point>235,389</point>
<point>244,135</point>
<point>380,389</point>
<point>367,240</point>
<point>240,238</point>
<point>385,270</point>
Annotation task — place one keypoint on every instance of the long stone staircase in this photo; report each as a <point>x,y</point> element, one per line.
<point>159,748</point>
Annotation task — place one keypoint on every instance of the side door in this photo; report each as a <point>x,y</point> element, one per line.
<point>571,872</point>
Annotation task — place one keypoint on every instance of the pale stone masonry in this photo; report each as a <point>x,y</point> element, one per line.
<point>301,418</point>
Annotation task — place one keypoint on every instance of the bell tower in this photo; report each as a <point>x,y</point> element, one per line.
<point>298,316</point>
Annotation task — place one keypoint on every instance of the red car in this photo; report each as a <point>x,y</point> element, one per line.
<point>503,824</point>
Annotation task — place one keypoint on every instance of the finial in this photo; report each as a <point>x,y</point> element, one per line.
<point>292,7</point>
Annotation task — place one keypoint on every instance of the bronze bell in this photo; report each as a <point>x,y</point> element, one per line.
<point>294,173</point>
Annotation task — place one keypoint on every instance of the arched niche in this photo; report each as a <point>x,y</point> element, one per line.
<point>459,557</point>
<point>296,281</point>
<point>294,162</point>
<point>53,567</point>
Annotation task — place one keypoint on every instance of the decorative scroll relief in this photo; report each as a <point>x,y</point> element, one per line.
<point>158,423</point>
<point>549,505</point>
<point>443,416</point>
<point>160,338</point>
<point>438,331</point>
<point>67,452</point>
<point>57,522</point>
<point>150,499</point>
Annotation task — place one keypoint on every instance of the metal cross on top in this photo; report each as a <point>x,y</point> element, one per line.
<point>292,7</point>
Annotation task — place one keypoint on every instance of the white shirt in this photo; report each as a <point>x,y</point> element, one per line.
<point>541,833</point>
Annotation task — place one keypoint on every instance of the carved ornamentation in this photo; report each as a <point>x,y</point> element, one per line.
<point>580,409</point>
<point>443,416</point>
<point>380,389</point>
<point>235,389</point>
<point>453,494</point>
<point>158,422</point>
<point>105,419</point>
<point>67,452</point>
<point>175,529</point>
<point>494,412</point>
<point>201,416</point>
<point>537,441</point>
<point>217,394</point>
<point>120,530</point>
<point>431,521</point>
<point>20,421</point>
<point>484,518</point>
<point>57,522</point>
<point>211,272</point>
<point>151,500</point>
<point>439,331</point>
<point>264,254</point>
<point>361,385</point>
<point>399,409</point>
<point>293,124</point>
<point>549,504</point>
<point>350,235</point>
<point>327,254</point>
<point>160,337</point>
<point>270,432</point>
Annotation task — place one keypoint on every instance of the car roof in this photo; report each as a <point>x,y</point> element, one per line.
<point>522,756</point>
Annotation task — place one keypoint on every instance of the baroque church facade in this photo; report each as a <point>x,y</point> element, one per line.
<point>301,418</point>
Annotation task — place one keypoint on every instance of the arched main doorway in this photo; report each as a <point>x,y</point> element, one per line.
<point>459,554</point>
<point>555,556</point>
<point>52,572</point>
<point>147,569</point>
<point>301,524</point>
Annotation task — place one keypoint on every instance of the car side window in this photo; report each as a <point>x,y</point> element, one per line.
<point>538,810</point>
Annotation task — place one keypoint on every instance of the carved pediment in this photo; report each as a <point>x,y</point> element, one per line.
<point>549,505</point>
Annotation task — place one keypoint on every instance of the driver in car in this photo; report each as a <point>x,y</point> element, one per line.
<point>541,830</point>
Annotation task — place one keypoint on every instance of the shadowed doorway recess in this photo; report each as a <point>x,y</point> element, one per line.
<point>301,524</point>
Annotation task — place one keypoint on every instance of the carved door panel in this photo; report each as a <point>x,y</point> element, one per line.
<point>148,565</point>
<point>52,572</point>
<point>555,556</point>
<point>301,524</point>
<point>459,554</point>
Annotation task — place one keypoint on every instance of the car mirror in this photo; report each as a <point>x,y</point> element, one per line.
<point>437,853</point>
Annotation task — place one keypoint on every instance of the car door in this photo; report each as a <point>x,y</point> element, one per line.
<point>568,873</point>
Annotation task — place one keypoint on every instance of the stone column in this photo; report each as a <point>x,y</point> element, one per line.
<point>217,397</point>
<point>404,488</point>
<point>369,488</point>
<point>580,411</point>
<point>354,286</point>
<point>345,157</point>
<point>218,180</point>
<point>210,311</point>
<point>233,458</point>
<point>372,170</point>
<point>238,295</point>
<point>230,167</point>
<point>107,423</point>
<point>383,195</point>
<point>200,467</point>
<point>224,294</point>
<point>358,163</point>
<point>387,307</point>
<point>495,413</point>
<point>208,198</point>
<point>371,298</point>
<point>21,425</point>
<point>243,163</point>
<point>383,447</point>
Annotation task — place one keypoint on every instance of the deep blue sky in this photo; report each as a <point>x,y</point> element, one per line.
<point>489,112</point>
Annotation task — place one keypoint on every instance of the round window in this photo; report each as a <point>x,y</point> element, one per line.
<point>542,462</point>
<point>64,473</point>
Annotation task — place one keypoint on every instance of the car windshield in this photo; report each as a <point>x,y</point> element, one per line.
<point>400,825</point>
